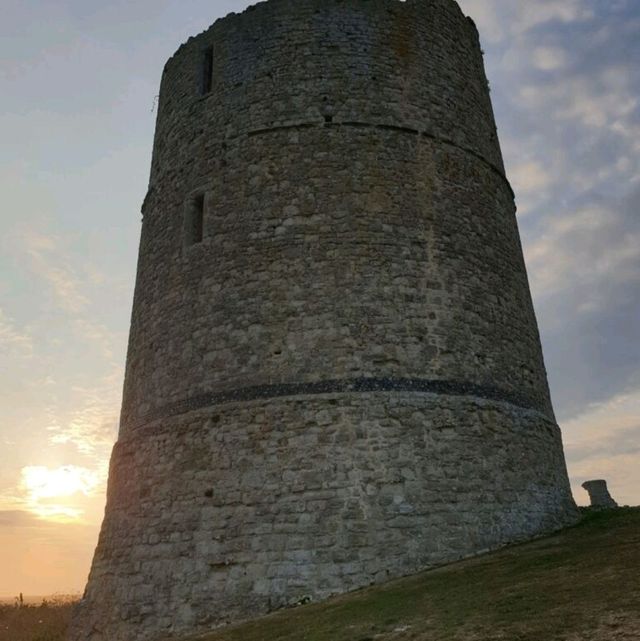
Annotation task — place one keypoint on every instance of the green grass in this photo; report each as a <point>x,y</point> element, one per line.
<point>581,584</point>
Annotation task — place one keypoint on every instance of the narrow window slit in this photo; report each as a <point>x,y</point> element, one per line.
<point>206,79</point>
<point>194,221</point>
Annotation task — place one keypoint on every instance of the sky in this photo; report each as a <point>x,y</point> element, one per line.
<point>79,80</point>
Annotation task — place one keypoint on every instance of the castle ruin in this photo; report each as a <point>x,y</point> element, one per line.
<point>334,374</point>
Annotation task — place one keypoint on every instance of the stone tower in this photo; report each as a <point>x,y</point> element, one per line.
<point>334,373</point>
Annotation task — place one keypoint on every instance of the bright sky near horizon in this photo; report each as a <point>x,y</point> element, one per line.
<point>78,80</point>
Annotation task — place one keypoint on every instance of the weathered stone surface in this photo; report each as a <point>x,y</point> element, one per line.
<point>343,381</point>
<point>599,494</point>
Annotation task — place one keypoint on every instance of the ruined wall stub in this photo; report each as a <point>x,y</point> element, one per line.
<point>599,494</point>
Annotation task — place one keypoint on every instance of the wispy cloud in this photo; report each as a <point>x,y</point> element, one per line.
<point>531,181</point>
<point>499,20</point>
<point>590,246</point>
<point>18,519</point>
<point>43,557</point>
<point>61,494</point>
<point>50,493</point>
<point>12,340</point>
<point>603,100</point>
<point>92,425</point>
<point>549,58</point>
<point>566,91</point>
<point>604,442</point>
<point>49,262</point>
<point>61,417</point>
<point>98,335</point>
<point>74,287</point>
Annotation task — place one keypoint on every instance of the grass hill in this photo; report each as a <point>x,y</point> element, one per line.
<point>582,584</point>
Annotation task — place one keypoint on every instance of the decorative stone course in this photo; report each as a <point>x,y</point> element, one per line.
<point>334,373</point>
<point>327,387</point>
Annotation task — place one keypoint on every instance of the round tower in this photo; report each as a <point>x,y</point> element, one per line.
<point>334,373</point>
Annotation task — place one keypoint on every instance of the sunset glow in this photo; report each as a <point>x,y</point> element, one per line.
<point>50,492</point>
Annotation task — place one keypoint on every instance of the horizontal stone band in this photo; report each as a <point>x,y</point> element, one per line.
<point>387,127</point>
<point>338,386</point>
<point>361,125</point>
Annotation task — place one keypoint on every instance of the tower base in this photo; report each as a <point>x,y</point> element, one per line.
<point>229,511</point>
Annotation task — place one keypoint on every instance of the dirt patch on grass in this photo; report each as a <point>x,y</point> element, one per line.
<point>615,627</point>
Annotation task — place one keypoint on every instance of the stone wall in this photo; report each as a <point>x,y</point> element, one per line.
<point>599,494</point>
<point>398,203</point>
<point>343,382</point>
<point>234,511</point>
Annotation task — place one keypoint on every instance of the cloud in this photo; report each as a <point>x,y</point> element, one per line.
<point>607,443</point>
<point>549,58</point>
<point>585,275</point>
<point>530,180</point>
<point>62,494</point>
<point>19,519</point>
<point>604,442</point>
<point>619,471</point>
<point>99,335</point>
<point>593,244</point>
<point>92,424</point>
<point>44,483</point>
<point>487,16</point>
<point>77,288</point>
<point>43,557</point>
<point>12,341</point>
<point>52,399</point>
<point>50,263</point>
<point>566,93</point>
<point>46,558</point>
<point>601,100</point>
<point>51,493</point>
<point>528,15</point>
<point>530,177</point>
<point>499,21</point>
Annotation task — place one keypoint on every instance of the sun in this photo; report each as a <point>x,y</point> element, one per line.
<point>45,483</point>
<point>49,492</point>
